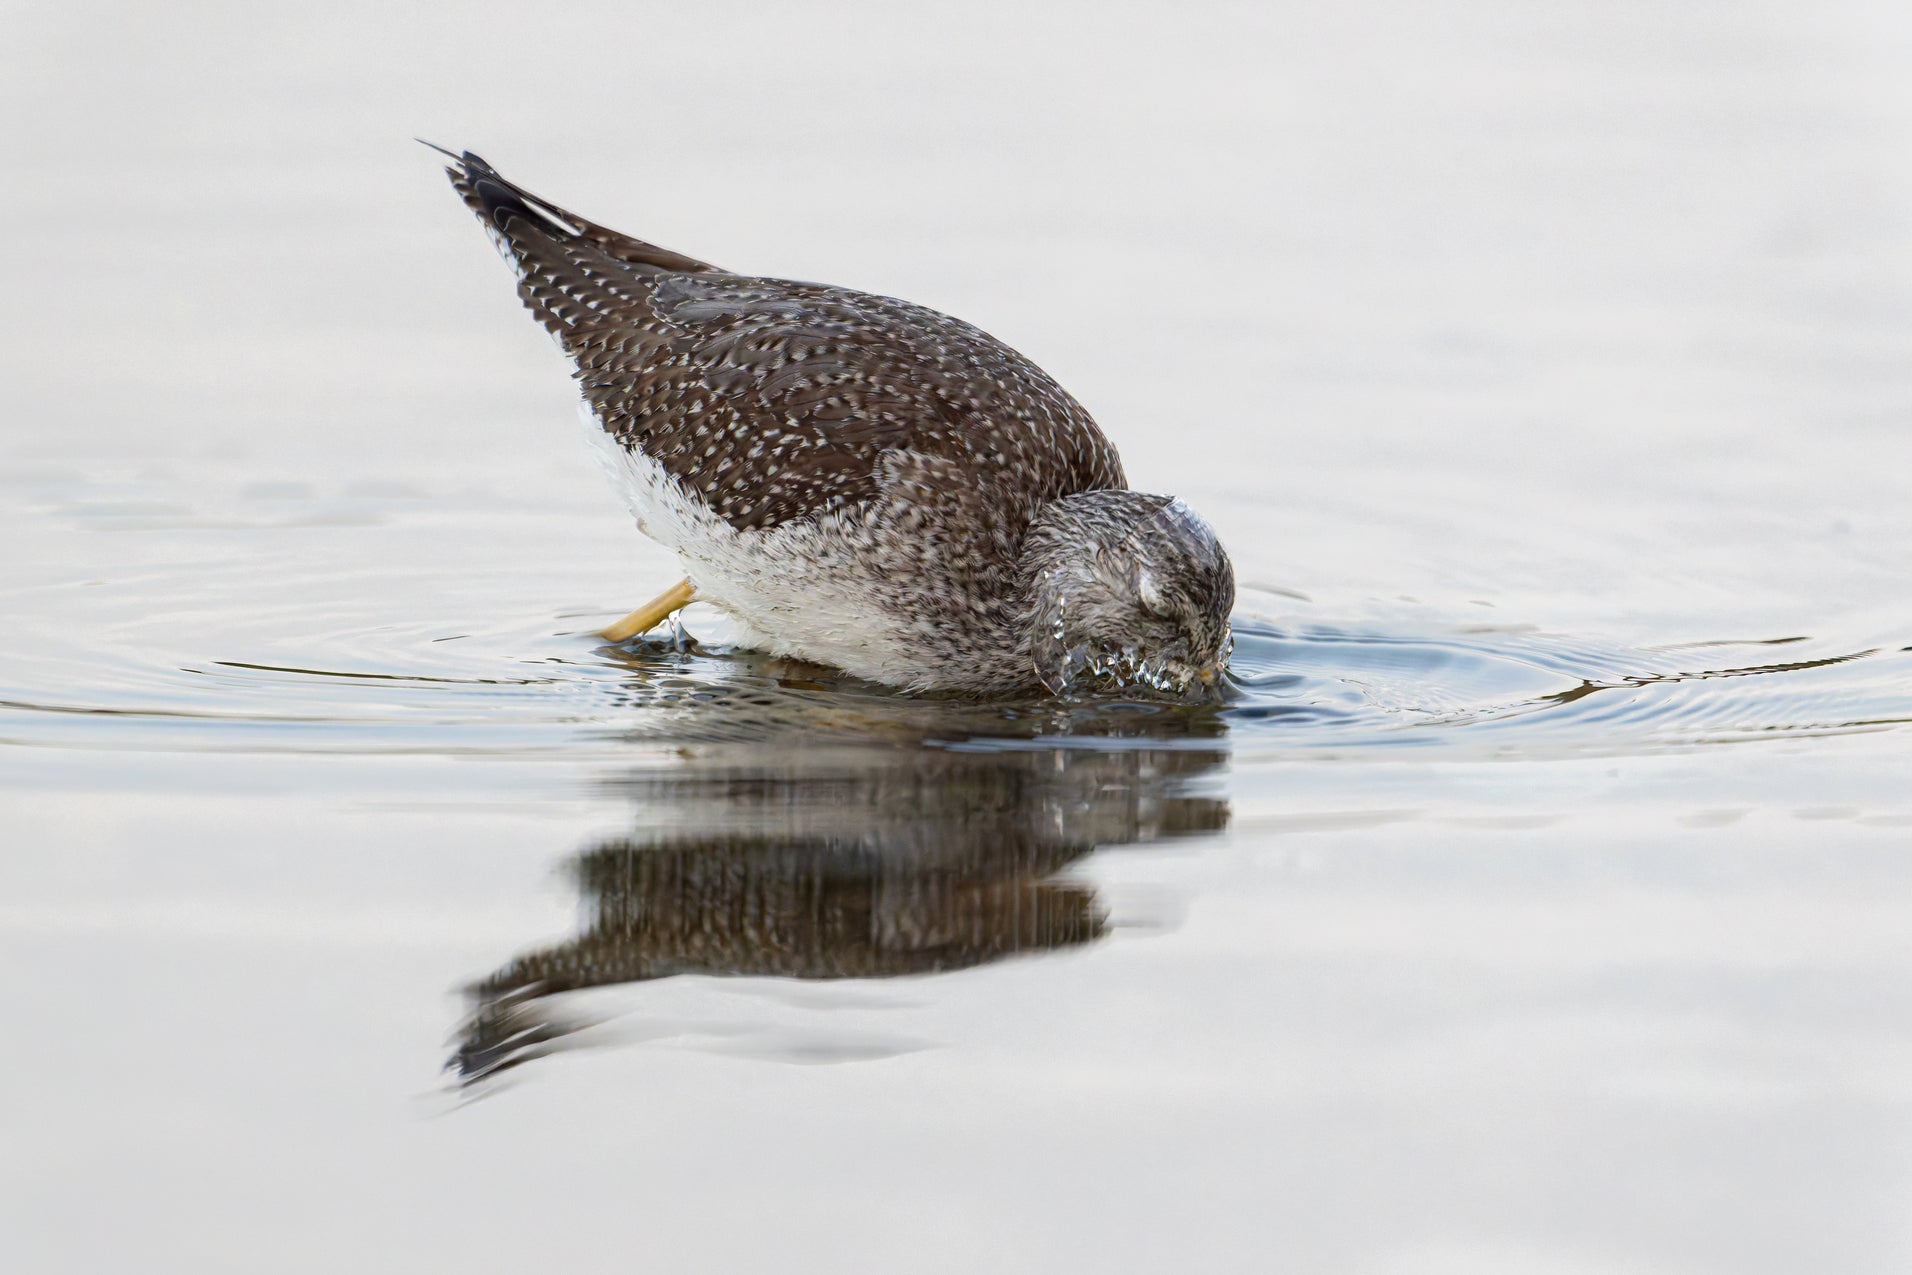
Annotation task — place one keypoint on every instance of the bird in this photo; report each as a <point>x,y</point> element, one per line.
<point>859,481</point>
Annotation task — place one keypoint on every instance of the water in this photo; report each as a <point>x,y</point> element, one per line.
<point>1536,901</point>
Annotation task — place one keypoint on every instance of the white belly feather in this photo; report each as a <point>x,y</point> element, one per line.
<point>770,582</point>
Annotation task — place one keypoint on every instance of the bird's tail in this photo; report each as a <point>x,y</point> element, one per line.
<point>518,220</point>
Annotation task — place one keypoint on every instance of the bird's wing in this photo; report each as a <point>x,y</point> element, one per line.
<point>775,401</point>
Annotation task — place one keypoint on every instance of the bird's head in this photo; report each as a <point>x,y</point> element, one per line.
<point>1126,589</point>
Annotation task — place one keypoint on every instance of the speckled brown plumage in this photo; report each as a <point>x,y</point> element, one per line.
<point>859,480</point>
<point>774,400</point>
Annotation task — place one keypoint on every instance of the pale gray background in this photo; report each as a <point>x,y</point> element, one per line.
<point>1585,320</point>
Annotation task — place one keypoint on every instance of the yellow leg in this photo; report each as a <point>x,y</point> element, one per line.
<point>652,613</point>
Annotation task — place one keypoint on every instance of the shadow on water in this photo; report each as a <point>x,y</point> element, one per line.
<point>792,822</point>
<point>806,826</point>
<point>873,846</point>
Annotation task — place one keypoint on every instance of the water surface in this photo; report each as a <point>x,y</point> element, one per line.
<point>1535,901</point>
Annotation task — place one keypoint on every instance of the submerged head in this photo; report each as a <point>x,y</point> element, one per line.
<point>1127,589</point>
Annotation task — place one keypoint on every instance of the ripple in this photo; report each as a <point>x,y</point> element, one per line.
<point>1536,694</point>
<point>377,687</point>
<point>331,640</point>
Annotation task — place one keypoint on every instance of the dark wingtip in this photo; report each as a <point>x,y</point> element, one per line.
<point>499,198</point>
<point>473,166</point>
<point>500,201</point>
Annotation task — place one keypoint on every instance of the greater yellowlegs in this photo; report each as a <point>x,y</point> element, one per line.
<point>860,481</point>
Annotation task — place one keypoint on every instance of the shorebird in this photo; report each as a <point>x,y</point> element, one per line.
<point>860,481</point>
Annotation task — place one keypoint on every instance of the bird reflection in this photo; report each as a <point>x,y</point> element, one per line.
<point>846,858</point>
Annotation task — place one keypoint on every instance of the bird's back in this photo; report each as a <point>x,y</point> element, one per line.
<point>773,402</point>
